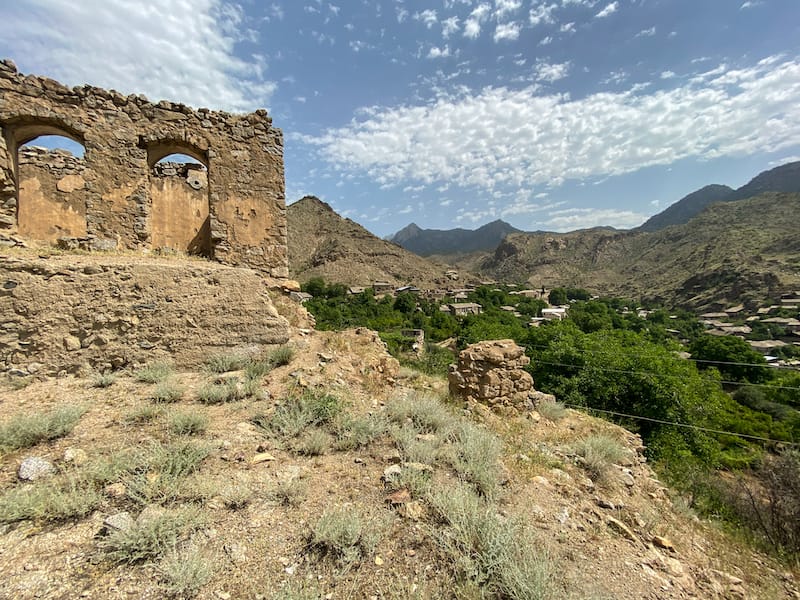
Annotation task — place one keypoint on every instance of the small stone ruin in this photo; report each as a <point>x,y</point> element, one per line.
<point>493,373</point>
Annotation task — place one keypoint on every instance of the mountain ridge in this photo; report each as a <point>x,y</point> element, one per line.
<point>428,242</point>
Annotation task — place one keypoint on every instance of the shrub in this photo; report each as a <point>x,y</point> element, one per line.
<point>142,414</point>
<point>155,372</point>
<point>496,555</point>
<point>235,497</point>
<point>48,501</point>
<point>24,431</point>
<point>224,363</point>
<point>281,356</point>
<point>416,448</point>
<point>185,572</point>
<point>474,454</point>
<point>551,410</point>
<point>149,539</point>
<point>427,413</point>
<point>313,443</point>
<point>167,392</point>
<point>289,492</point>
<point>256,369</point>
<point>353,432</point>
<point>295,415</point>
<point>220,393</point>
<point>161,472</point>
<point>599,452</point>
<point>188,423</point>
<point>104,380</point>
<point>343,534</point>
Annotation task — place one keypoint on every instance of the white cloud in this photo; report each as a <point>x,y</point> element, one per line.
<point>545,41</point>
<point>503,8</point>
<point>181,50</point>
<point>402,14</point>
<point>542,14</point>
<point>667,74</point>
<point>406,210</point>
<point>567,28</point>
<point>582,218</point>
<point>500,138</point>
<point>750,4</point>
<point>449,26</point>
<point>428,17</point>
<point>647,32</point>
<point>435,52</point>
<point>550,72</point>
<point>507,31</point>
<point>610,9</point>
<point>472,26</point>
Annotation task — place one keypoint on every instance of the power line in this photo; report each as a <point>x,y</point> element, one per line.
<point>700,360</point>
<point>627,372</point>
<point>686,425</point>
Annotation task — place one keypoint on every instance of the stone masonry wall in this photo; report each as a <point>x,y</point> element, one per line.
<point>493,373</point>
<point>123,138</point>
<point>73,312</point>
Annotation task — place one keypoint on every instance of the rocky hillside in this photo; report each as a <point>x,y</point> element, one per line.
<point>785,178</point>
<point>321,470</point>
<point>429,242</point>
<point>730,252</point>
<point>323,244</point>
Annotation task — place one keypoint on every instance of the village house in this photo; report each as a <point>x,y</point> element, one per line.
<point>554,314</point>
<point>460,309</point>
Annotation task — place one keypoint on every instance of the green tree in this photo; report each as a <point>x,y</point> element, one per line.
<point>715,351</point>
<point>557,297</point>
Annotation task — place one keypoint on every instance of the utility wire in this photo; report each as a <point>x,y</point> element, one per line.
<point>716,362</point>
<point>610,370</point>
<point>686,425</point>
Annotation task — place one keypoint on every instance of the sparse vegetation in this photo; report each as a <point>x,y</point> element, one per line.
<point>185,572</point>
<point>24,431</point>
<point>353,432</point>
<point>188,423</point>
<point>167,392</point>
<point>226,362</point>
<point>474,454</point>
<point>551,410</point>
<point>599,452</point>
<point>104,380</point>
<point>427,413</point>
<point>140,415</point>
<point>150,538</point>
<point>344,534</point>
<point>154,372</point>
<point>164,467</point>
<point>48,501</point>
<point>281,356</point>
<point>492,556</point>
<point>290,491</point>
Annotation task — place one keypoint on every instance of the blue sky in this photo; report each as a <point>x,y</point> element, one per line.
<point>552,115</point>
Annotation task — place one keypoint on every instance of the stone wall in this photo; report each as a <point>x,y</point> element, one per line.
<point>493,373</point>
<point>74,313</point>
<point>123,138</point>
<point>52,190</point>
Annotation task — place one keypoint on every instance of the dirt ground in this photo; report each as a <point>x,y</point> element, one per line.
<point>621,536</point>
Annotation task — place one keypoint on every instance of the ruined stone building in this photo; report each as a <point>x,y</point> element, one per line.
<point>230,206</point>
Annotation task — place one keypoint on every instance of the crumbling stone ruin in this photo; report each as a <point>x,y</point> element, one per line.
<point>118,197</point>
<point>493,373</point>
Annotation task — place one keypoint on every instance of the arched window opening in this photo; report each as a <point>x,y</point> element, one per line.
<point>179,195</point>
<point>51,184</point>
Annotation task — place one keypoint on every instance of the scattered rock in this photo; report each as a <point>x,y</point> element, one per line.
<point>75,456</point>
<point>621,528</point>
<point>663,542</point>
<point>115,490</point>
<point>413,510</point>
<point>121,521</point>
<point>399,497</point>
<point>391,473</point>
<point>262,457</point>
<point>602,503</point>
<point>34,467</point>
